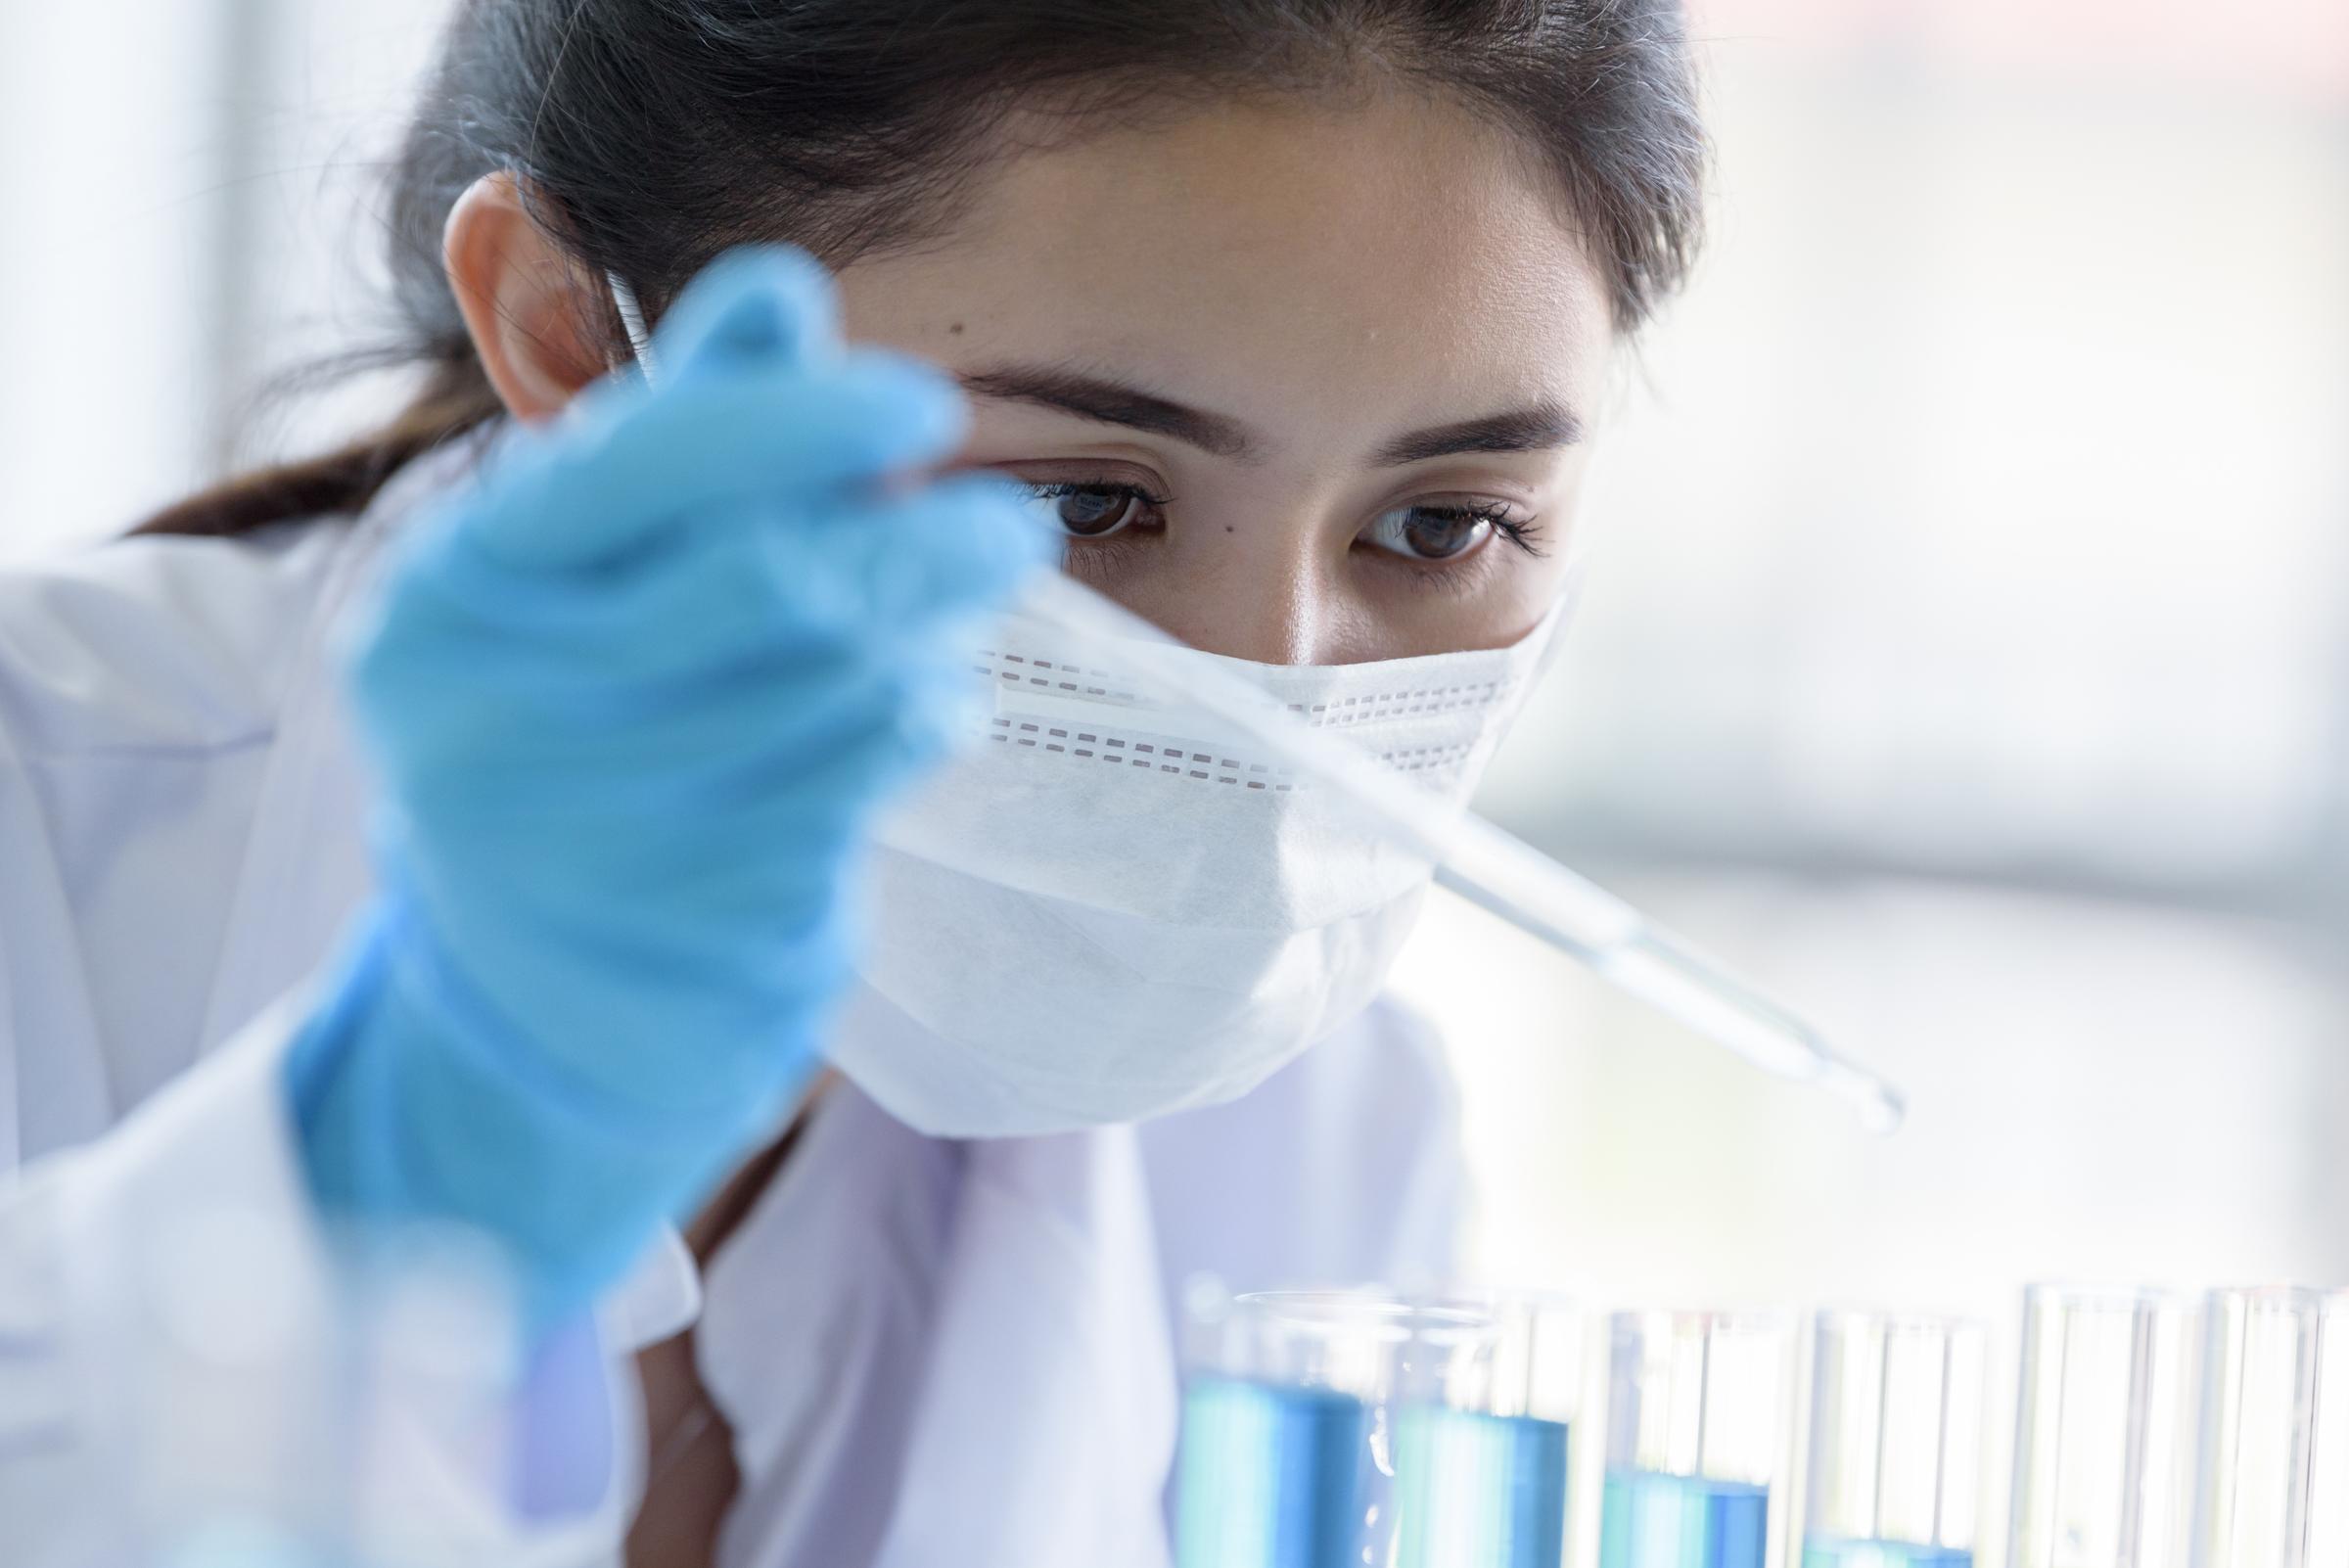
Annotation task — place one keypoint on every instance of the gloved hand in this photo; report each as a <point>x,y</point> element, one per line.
<point>631,704</point>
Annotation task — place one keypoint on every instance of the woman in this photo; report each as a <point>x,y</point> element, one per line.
<point>1288,317</point>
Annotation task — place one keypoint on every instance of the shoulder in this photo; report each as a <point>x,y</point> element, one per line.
<point>140,688</point>
<point>160,643</point>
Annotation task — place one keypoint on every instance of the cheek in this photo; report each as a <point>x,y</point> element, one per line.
<point>1392,614</point>
<point>1540,583</point>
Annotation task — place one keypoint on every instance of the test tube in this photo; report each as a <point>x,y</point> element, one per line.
<point>2328,1488</point>
<point>2102,1429</point>
<point>1895,1441</point>
<point>2272,1481</point>
<point>1696,1426</point>
<point>1480,1461</point>
<point>1288,1445</point>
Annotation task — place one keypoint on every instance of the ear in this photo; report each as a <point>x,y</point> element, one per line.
<point>535,321</point>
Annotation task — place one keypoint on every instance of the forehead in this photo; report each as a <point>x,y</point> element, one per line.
<point>1387,258</point>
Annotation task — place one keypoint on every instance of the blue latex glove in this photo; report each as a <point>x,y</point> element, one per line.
<point>632,702</point>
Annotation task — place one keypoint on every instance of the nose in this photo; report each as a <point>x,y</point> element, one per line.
<point>1268,611</point>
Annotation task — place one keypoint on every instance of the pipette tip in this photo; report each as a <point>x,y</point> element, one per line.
<point>1876,1103</point>
<point>1884,1113</point>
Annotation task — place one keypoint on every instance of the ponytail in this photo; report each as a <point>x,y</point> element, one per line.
<point>457,401</point>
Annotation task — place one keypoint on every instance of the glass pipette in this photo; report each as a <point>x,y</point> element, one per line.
<point>1472,857</point>
<point>1477,860</point>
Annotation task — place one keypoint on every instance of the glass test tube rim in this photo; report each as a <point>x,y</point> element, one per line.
<point>1384,1316</point>
<point>1465,1301</point>
<point>1902,1320</point>
<point>2280,1293</point>
<point>1775,1319</point>
<point>1499,1299</point>
<point>2108,1297</point>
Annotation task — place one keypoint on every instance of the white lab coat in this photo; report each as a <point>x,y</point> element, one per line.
<point>929,1352</point>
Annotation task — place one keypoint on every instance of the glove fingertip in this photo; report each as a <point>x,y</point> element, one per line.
<point>998,545</point>
<point>906,410</point>
<point>756,303</point>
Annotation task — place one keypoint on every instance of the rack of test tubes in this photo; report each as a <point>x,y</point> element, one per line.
<point>2149,1429</point>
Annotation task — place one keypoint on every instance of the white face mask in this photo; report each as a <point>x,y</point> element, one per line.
<point>1110,910</point>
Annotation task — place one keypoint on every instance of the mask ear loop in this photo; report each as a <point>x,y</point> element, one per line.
<point>632,322</point>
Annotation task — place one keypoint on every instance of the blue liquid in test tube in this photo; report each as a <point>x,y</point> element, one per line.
<point>1339,1429</point>
<point>1271,1476</point>
<point>1827,1552</point>
<point>1695,1429</point>
<point>1479,1490</point>
<point>1648,1519</point>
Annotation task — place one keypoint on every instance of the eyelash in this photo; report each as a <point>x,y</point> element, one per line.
<point>1525,534</point>
<point>1124,489</point>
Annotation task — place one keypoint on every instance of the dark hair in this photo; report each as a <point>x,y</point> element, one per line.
<point>649,135</point>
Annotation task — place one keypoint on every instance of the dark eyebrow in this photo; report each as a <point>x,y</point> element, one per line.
<point>1535,429</point>
<point>1113,403</point>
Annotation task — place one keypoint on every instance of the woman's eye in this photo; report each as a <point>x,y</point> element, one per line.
<point>1088,511</point>
<point>1431,533</point>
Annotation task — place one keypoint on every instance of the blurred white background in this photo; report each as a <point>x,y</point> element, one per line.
<point>1968,654</point>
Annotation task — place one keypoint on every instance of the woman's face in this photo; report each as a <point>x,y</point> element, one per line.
<point>1302,385</point>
